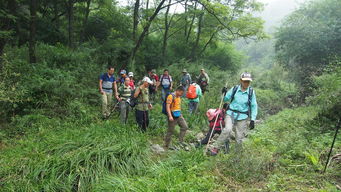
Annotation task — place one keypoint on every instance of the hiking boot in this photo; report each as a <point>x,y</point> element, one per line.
<point>227,147</point>
<point>198,145</point>
<point>174,148</point>
<point>184,146</point>
<point>214,151</point>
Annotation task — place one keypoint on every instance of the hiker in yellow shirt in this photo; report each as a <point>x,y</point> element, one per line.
<point>173,109</point>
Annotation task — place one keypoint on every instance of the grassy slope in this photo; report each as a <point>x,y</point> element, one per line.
<point>284,154</point>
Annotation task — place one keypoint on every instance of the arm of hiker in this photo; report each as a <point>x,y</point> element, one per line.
<point>100,86</point>
<point>199,92</point>
<point>137,92</point>
<point>171,83</point>
<point>254,107</point>
<point>119,94</point>
<point>168,104</point>
<point>228,95</point>
<point>115,89</point>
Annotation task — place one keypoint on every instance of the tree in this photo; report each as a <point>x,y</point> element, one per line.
<point>70,14</point>
<point>32,41</point>
<point>309,40</point>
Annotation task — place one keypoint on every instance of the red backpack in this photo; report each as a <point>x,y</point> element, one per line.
<point>191,92</point>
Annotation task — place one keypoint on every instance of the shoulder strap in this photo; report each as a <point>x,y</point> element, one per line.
<point>250,99</point>
<point>235,88</point>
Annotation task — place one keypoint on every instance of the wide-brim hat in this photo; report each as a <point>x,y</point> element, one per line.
<point>184,71</point>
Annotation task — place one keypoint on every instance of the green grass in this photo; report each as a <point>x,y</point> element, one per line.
<point>82,153</point>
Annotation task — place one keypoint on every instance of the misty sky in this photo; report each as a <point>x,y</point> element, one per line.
<point>276,10</point>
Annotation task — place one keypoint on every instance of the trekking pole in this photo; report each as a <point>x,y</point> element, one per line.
<point>331,148</point>
<point>215,121</point>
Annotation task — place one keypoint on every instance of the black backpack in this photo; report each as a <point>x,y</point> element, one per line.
<point>235,88</point>
<point>164,104</point>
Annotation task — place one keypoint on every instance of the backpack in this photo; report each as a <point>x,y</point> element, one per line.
<point>234,91</point>
<point>161,80</point>
<point>220,121</point>
<point>192,92</point>
<point>132,101</point>
<point>164,104</point>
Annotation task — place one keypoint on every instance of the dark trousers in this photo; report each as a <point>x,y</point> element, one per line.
<point>142,119</point>
<point>205,140</point>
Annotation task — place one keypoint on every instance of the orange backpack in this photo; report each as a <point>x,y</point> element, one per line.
<point>191,92</point>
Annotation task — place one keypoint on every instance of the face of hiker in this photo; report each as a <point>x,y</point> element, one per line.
<point>111,71</point>
<point>165,73</point>
<point>127,81</point>
<point>145,84</point>
<point>245,84</point>
<point>179,93</point>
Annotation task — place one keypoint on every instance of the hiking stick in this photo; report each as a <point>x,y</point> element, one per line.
<point>331,148</point>
<point>215,121</point>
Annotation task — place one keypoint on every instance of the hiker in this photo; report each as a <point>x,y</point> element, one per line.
<point>173,111</point>
<point>132,81</point>
<point>242,109</point>
<point>166,83</point>
<point>143,104</point>
<point>203,80</point>
<point>155,79</point>
<point>185,80</point>
<point>106,84</point>
<point>215,123</point>
<point>123,74</point>
<point>124,92</point>
<point>194,94</point>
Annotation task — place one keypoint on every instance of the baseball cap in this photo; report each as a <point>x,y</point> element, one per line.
<point>246,76</point>
<point>146,79</point>
<point>131,74</point>
<point>123,72</point>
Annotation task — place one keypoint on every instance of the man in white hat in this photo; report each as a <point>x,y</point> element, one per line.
<point>143,104</point>
<point>243,108</point>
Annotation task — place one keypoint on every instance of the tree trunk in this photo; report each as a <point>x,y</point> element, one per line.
<point>165,35</point>
<point>196,44</point>
<point>6,23</point>
<point>185,19</point>
<point>136,19</point>
<point>70,23</point>
<point>85,22</point>
<point>32,40</point>
<point>208,42</point>
<point>192,22</point>
<point>144,32</point>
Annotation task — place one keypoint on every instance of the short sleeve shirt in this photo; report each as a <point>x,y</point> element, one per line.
<point>174,105</point>
<point>166,81</point>
<point>107,82</point>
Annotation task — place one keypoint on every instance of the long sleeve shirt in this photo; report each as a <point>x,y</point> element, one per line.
<point>240,103</point>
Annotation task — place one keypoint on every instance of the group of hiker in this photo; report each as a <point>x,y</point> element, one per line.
<point>229,121</point>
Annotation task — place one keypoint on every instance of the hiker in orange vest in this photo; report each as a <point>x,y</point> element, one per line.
<point>193,94</point>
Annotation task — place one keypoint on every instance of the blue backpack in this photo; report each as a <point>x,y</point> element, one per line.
<point>164,109</point>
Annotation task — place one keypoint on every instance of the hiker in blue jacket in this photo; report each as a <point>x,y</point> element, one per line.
<point>242,109</point>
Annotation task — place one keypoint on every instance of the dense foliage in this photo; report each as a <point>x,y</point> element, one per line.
<point>309,40</point>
